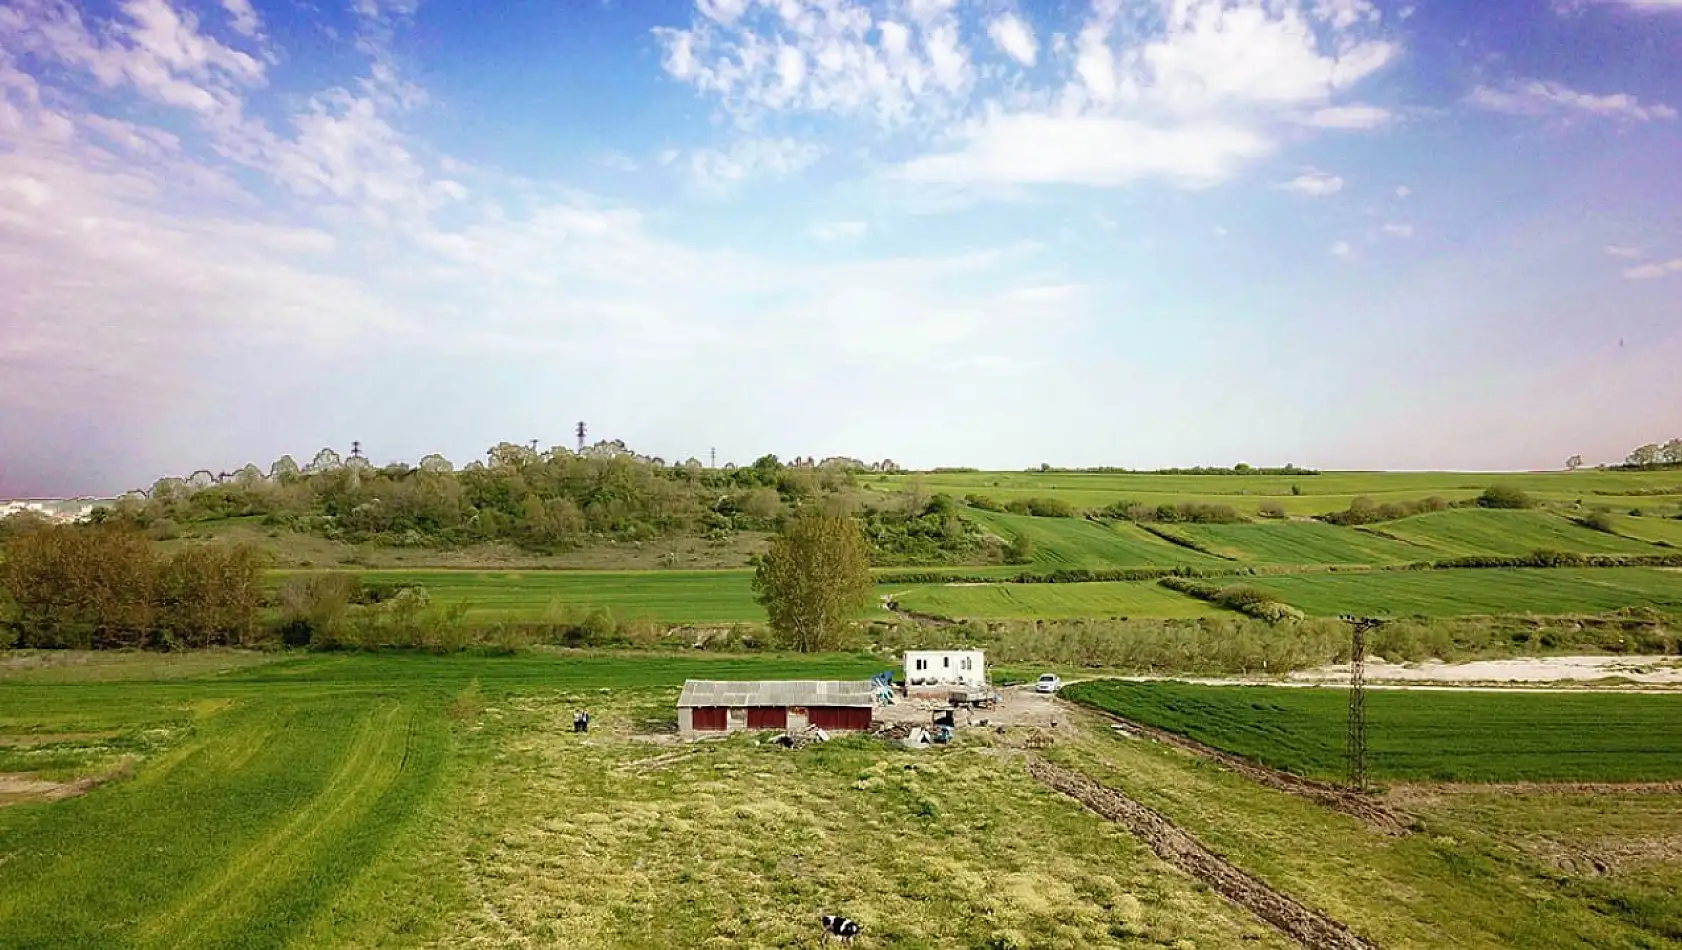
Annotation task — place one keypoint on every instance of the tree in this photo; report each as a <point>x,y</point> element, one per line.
<point>1504,496</point>
<point>1020,550</point>
<point>814,580</point>
<point>1671,454</point>
<point>1645,456</point>
<point>1573,463</point>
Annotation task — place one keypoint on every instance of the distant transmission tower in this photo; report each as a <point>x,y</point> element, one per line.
<point>1356,753</point>
<point>581,438</point>
<point>713,453</point>
<point>355,449</point>
<point>534,445</point>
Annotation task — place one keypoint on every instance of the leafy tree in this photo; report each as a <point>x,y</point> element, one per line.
<point>1671,453</point>
<point>1644,456</point>
<point>1573,463</point>
<point>1020,550</point>
<point>814,579</point>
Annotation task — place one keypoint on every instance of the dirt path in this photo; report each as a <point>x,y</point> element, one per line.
<point>1370,810</point>
<point>1305,925</point>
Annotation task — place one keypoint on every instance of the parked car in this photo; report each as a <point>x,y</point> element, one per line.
<point>1048,683</point>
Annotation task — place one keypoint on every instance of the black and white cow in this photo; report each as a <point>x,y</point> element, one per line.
<point>843,927</point>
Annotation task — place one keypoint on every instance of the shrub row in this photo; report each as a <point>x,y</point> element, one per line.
<point>1067,575</point>
<point>1550,559</point>
<point>1258,603</point>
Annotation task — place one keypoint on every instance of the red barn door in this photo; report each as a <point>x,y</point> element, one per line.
<point>767,717</point>
<point>709,718</point>
<point>839,717</point>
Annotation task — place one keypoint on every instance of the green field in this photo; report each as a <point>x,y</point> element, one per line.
<point>665,596</point>
<point>1474,592</point>
<point>1474,531</point>
<point>354,801</point>
<point>1666,530</point>
<point>1301,542</point>
<point>1416,734</point>
<point>1052,601</point>
<point>1079,543</point>
<point>1329,491</point>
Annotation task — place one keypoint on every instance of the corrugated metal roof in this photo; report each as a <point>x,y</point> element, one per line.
<point>777,693</point>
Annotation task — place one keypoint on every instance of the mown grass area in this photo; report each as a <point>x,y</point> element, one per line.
<point>1473,531</point>
<point>1654,530</point>
<point>1300,542</point>
<point>351,801</point>
<point>664,596</point>
<point>1417,734</point>
<point>1052,601</point>
<point>1077,542</point>
<point>1462,593</point>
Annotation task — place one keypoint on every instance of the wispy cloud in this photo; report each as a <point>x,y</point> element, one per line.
<point>1619,250</point>
<point>1342,250</point>
<point>1652,271</point>
<point>1348,117</point>
<point>839,230</point>
<point>1402,191</point>
<point>719,172</point>
<point>1014,37</point>
<point>1399,230</point>
<point>1315,184</point>
<point>1536,97</point>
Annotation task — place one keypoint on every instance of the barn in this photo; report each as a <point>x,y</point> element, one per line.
<point>708,706</point>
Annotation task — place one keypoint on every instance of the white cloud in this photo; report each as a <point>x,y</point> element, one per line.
<point>1315,184</point>
<point>1348,117</point>
<point>1402,191</point>
<point>1228,74</point>
<point>1014,37</point>
<point>839,230</point>
<point>1535,97</point>
<point>1220,231</point>
<point>1651,271</point>
<point>1399,230</point>
<point>718,172</point>
<point>1652,4</point>
<point>242,17</point>
<point>618,161</point>
<point>1618,250</point>
<point>1031,148</point>
<point>1342,249</point>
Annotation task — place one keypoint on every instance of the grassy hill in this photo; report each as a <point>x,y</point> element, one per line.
<point>1473,531</point>
<point>1473,592</point>
<point>1301,542</point>
<point>1077,542</point>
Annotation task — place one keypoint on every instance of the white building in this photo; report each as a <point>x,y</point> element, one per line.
<point>940,670</point>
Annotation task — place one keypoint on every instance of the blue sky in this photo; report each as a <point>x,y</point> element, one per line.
<point>1340,233</point>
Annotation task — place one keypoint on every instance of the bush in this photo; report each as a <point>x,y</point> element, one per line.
<point>1599,521</point>
<point>1050,508</point>
<point>1504,496</point>
<point>1271,509</point>
<point>1020,550</point>
<point>983,502</point>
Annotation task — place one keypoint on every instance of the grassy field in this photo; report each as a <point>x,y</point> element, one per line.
<point>666,596</point>
<point>1435,735</point>
<point>1300,542</point>
<point>401,801</point>
<point>1329,491</point>
<point>1052,601</point>
<point>1473,592</point>
<point>1472,531</point>
<point>1655,530</point>
<point>1077,542</point>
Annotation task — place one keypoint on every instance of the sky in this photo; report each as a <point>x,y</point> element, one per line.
<point>1340,233</point>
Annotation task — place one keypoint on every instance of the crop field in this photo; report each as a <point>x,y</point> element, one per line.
<point>1416,734</point>
<point>1077,542</point>
<point>1052,601</point>
<point>667,596</point>
<point>1301,542</point>
<point>1655,530</point>
<point>1474,531</point>
<point>1475,592</point>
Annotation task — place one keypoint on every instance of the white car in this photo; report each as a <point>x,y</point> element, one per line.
<point>1048,683</point>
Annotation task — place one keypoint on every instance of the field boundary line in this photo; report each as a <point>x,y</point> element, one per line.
<point>1173,844</point>
<point>1324,794</point>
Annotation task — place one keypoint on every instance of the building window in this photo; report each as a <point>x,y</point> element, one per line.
<point>964,663</point>
<point>922,664</point>
<point>946,661</point>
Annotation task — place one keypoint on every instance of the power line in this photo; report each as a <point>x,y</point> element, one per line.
<point>1356,738</point>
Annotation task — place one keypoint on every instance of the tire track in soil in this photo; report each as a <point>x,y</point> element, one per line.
<point>1306,926</point>
<point>369,766</point>
<point>1370,810</point>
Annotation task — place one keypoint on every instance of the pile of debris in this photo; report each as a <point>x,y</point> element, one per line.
<point>801,738</point>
